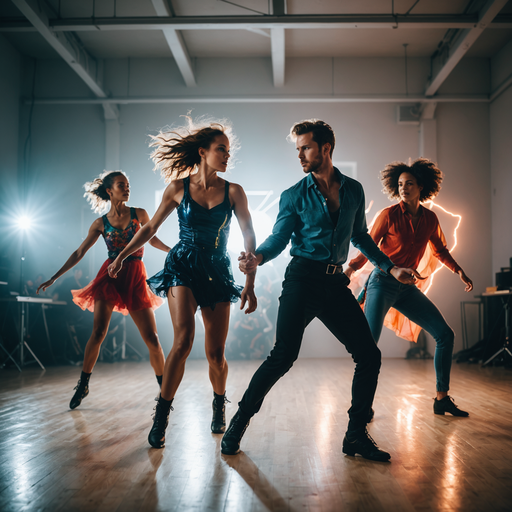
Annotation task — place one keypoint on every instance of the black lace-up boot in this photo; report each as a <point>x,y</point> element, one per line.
<point>81,390</point>
<point>219,413</point>
<point>447,404</point>
<point>363,444</point>
<point>156,437</point>
<point>230,444</point>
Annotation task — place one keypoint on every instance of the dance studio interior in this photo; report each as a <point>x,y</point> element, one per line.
<point>85,86</point>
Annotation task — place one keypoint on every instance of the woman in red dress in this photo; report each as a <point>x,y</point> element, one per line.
<point>129,293</point>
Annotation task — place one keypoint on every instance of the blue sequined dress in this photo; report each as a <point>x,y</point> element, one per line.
<point>200,260</point>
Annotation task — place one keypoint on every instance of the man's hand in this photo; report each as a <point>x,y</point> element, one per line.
<point>405,275</point>
<point>248,262</point>
<point>466,281</point>
<point>249,296</point>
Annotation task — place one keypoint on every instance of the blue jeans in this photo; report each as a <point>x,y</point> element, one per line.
<point>384,291</point>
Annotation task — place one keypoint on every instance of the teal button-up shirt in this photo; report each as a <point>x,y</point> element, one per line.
<point>304,218</point>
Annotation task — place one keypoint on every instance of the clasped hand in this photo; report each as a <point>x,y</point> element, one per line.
<point>247,262</point>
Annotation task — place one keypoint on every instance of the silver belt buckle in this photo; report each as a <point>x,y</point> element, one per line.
<point>329,271</point>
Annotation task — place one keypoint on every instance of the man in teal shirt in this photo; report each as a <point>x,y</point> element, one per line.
<point>321,215</point>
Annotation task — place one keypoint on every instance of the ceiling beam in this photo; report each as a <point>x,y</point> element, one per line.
<point>278,7</point>
<point>333,21</point>
<point>131,100</point>
<point>445,63</point>
<point>70,49</point>
<point>278,55</point>
<point>176,44</point>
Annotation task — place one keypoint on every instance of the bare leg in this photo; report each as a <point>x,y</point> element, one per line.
<point>146,323</point>
<point>102,314</point>
<point>182,306</point>
<point>216,324</point>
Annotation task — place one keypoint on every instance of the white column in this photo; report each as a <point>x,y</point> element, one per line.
<point>112,144</point>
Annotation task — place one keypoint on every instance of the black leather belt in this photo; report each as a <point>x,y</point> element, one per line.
<point>334,269</point>
<point>324,268</point>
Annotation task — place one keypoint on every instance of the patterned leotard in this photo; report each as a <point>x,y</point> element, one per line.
<point>129,291</point>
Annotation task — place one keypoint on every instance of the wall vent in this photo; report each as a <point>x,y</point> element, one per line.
<point>408,114</point>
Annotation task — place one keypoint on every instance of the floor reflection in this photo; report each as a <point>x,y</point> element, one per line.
<point>256,480</point>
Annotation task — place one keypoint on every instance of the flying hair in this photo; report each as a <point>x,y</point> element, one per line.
<point>96,190</point>
<point>176,153</point>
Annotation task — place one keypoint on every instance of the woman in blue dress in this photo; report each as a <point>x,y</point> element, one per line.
<point>197,270</point>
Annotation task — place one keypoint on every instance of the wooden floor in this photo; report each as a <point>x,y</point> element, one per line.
<point>97,457</point>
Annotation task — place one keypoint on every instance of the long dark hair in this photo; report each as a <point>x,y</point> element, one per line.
<point>176,152</point>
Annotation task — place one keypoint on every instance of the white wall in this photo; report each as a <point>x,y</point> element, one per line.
<point>68,149</point>
<point>501,161</point>
<point>10,87</point>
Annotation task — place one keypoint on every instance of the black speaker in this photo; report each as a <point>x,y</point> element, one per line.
<point>504,279</point>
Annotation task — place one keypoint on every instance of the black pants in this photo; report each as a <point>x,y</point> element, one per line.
<point>309,292</point>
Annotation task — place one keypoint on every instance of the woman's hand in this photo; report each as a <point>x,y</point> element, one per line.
<point>248,262</point>
<point>46,284</point>
<point>248,296</point>
<point>115,267</point>
<point>405,275</point>
<point>465,279</point>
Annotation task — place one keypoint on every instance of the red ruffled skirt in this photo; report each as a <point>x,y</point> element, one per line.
<point>128,292</point>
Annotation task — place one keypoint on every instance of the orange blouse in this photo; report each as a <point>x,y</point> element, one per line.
<point>403,244</point>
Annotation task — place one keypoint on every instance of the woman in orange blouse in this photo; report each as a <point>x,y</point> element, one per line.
<point>403,232</point>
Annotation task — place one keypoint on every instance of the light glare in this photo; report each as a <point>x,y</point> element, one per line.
<point>24,222</point>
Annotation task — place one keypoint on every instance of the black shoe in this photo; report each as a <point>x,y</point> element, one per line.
<point>447,404</point>
<point>371,414</point>
<point>219,413</point>
<point>230,444</point>
<point>80,393</point>
<point>364,445</point>
<point>156,437</point>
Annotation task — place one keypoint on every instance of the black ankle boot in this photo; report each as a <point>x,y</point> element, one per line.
<point>447,404</point>
<point>81,390</point>
<point>230,444</point>
<point>362,443</point>
<point>219,413</point>
<point>156,437</point>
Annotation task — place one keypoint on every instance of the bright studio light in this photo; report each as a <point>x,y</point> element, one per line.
<point>24,222</point>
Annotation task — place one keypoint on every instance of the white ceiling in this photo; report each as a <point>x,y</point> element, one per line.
<point>367,42</point>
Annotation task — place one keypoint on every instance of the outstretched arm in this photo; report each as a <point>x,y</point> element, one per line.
<point>149,230</point>
<point>243,216</point>
<point>155,241</point>
<point>94,232</point>
<point>440,249</point>
<point>276,243</point>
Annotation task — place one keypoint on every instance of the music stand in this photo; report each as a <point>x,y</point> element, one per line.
<point>505,301</point>
<point>122,346</point>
